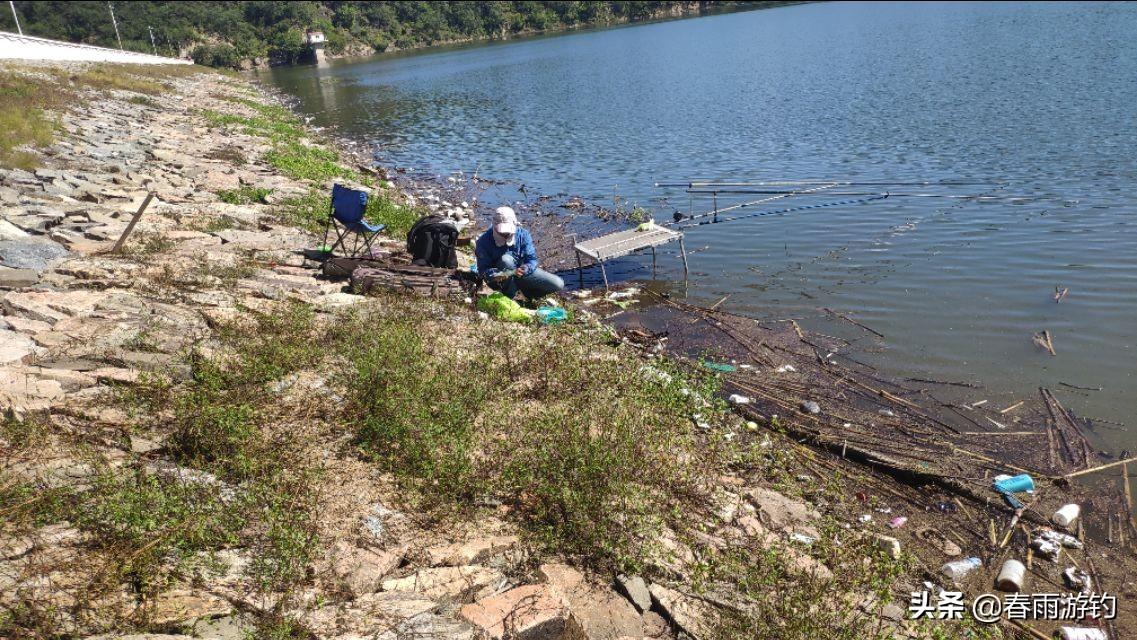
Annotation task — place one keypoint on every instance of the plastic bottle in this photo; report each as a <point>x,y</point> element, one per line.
<point>1082,633</point>
<point>959,568</point>
<point>1015,484</point>
<point>1011,576</point>
<point>1066,516</point>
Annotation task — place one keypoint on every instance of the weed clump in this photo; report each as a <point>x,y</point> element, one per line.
<point>590,458</point>
<point>108,78</point>
<point>24,121</point>
<point>245,194</point>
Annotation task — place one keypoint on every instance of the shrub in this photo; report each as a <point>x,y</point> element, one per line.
<point>246,194</point>
<point>216,55</point>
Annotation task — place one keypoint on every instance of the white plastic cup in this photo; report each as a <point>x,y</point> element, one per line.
<point>1011,576</point>
<point>1066,516</point>
<point>1082,633</point>
<point>959,568</point>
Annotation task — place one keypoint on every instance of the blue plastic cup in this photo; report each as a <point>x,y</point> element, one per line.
<point>1015,484</point>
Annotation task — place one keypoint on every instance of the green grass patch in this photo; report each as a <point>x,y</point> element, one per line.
<point>281,128</point>
<point>148,243</point>
<point>25,123</point>
<point>305,162</point>
<point>145,101</point>
<point>772,594</point>
<point>309,211</point>
<point>399,218</point>
<point>590,456</point>
<point>115,78</point>
<point>289,154</point>
<point>246,194</point>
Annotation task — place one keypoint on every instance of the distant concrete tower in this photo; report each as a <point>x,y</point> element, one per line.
<point>316,41</point>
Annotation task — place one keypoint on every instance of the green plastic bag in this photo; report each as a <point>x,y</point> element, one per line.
<point>503,308</point>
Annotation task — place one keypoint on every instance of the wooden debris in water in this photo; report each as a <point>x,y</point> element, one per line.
<point>1042,339</point>
<point>1068,429</point>
<point>1001,433</point>
<point>1102,467</point>
<point>997,423</point>
<point>854,322</point>
<point>1012,407</point>
<point>1074,386</point>
<point>1060,293</point>
<point>721,300</point>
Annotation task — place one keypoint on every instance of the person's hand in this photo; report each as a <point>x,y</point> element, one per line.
<point>521,270</point>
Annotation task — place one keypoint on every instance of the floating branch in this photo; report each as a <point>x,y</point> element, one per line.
<point>1043,340</point>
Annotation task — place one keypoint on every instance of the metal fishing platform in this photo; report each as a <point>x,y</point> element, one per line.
<point>622,243</point>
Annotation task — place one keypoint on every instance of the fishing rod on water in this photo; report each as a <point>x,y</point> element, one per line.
<point>792,188</point>
<point>790,192</point>
<point>714,215</point>
<point>696,184</point>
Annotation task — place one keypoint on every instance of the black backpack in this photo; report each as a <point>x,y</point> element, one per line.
<point>431,243</point>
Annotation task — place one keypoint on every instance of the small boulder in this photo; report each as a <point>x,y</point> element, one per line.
<point>456,583</point>
<point>635,590</point>
<point>361,570</point>
<point>595,613</point>
<point>693,616</point>
<point>531,612</point>
<point>779,510</point>
<point>18,278</point>
<point>474,551</point>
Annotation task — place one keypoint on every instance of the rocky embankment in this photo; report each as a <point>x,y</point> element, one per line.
<point>126,433</point>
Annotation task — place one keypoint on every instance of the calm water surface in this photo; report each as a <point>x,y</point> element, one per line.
<point>1041,97</point>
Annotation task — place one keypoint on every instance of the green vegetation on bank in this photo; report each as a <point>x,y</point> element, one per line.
<point>32,99</point>
<point>24,123</point>
<point>588,448</point>
<point>238,483</point>
<point>234,34</point>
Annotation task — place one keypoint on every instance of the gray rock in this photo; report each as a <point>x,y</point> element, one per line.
<point>18,278</point>
<point>35,254</point>
<point>141,445</point>
<point>9,231</point>
<point>223,628</point>
<point>140,636</point>
<point>19,176</point>
<point>15,346</point>
<point>809,406</point>
<point>429,626</point>
<point>165,155</point>
<point>634,589</point>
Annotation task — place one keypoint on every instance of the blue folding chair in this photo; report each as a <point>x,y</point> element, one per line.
<point>346,217</point>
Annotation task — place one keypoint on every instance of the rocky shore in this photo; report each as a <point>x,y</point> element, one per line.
<point>205,438</point>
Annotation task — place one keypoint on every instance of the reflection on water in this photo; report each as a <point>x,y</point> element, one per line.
<point>1037,96</point>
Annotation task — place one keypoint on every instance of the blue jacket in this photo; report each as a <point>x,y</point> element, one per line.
<point>488,253</point>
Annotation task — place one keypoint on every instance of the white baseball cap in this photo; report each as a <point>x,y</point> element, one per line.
<point>504,221</point>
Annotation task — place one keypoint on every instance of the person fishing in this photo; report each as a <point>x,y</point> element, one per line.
<point>507,259</point>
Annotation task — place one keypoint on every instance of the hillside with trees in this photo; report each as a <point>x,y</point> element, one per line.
<point>256,33</point>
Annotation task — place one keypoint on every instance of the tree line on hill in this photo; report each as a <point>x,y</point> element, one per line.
<point>255,33</point>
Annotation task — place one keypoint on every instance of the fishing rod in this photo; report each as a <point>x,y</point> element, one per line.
<point>791,192</point>
<point>776,196</point>
<point>679,217</point>
<point>693,184</point>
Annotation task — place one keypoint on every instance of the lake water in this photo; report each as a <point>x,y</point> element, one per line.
<point>1040,98</point>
